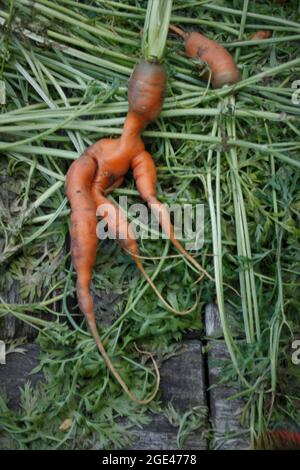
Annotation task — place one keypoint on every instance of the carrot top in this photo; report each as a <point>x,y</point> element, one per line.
<point>156,29</point>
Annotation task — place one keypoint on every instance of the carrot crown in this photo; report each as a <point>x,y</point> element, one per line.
<point>156,29</point>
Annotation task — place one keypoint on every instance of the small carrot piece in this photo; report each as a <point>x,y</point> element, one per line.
<point>279,439</point>
<point>220,62</point>
<point>263,34</point>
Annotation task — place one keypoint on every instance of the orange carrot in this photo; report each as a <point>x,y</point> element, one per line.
<point>101,169</point>
<point>83,247</point>
<point>146,90</point>
<point>263,34</point>
<point>220,62</point>
<point>279,439</point>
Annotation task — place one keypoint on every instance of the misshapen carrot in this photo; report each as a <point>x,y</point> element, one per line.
<point>220,62</point>
<point>114,157</point>
<point>83,200</point>
<point>96,173</point>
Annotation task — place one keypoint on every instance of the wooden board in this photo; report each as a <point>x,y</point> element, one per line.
<point>183,385</point>
<point>225,413</point>
<point>187,381</point>
<point>16,372</point>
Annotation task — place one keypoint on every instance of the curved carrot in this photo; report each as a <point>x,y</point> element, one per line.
<point>220,62</point>
<point>83,227</point>
<point>83,247</point>
<point>144,173</point>
<point>119,229</point>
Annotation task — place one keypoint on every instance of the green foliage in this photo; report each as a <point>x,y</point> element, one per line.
<point>187,422</point>
<point>78,389</point>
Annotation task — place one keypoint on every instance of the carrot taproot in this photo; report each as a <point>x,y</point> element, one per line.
<point>144,173</point>
<point>83,248</point>
<point>146,90</point>
<point>220,62</point>
<point>115,157</point>
<point>120,230</point>
<point>95,174</point>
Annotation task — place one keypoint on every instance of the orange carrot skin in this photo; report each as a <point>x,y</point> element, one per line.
<point>117,223</point>
<point>144,173</point>
<point>113,156</point>
<point>146,90</point>
<point>98,171</point>
<point>102,168</point>
<point>83,227</point>
<point>223,68</point>
<point>84,198</point>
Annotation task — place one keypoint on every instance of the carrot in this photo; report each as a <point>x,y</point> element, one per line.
<point>96,173</point>
<point>263,34</point>
<point>120,230</point>
<point>146,90</point>
<point>279,439</point>
<point>220,62</point>
<point>114,157</point>
<point>83,248</point>
<point>144,173</point>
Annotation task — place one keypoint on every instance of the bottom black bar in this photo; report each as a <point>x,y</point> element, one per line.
<point>139,459</point>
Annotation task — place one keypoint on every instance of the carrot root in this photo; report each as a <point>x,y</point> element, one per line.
<point>97,172</point>
<point>220,62</point>
<point>118,227</point>
<point>178,31</point>
<point>93,328</point>
<point>164,219</point>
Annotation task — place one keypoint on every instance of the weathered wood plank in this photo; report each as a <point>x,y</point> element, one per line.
<point>182,385</point>
<point>10,326</point>
<point>228,434</point>
<point>15,373</point>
